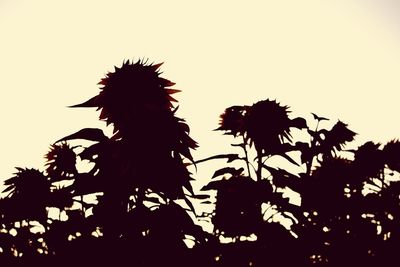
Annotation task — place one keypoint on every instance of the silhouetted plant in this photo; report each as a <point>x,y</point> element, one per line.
<point>131,204</point>
<point>127,198</point>
<point>334,224</point>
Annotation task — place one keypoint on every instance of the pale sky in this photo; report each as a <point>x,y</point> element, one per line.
<point>339,59</point>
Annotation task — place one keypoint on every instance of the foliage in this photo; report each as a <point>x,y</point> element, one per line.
<point>292,194</point>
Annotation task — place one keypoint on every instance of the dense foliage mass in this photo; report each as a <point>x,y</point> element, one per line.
<point>292,195</point>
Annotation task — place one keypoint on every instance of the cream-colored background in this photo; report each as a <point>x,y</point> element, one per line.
<point>339,59</point>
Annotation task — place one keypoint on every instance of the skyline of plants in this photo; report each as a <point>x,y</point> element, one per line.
<point>135,199</point>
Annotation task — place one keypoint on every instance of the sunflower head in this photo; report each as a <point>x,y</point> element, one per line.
<point>369,159</point>
<point>267,124</point>
<point>132,91</point>
<point>27,183</point>
<point>392,154</point>
<point>336,138</point>
<point>61,160</point>
<point>232,120</point>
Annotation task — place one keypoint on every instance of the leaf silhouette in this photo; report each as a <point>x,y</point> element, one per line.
<point>134,205</point>
<point>91,134</point>
<point>229,157</point>
<point>318,118</point>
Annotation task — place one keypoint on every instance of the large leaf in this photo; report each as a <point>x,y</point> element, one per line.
<point>91,134</point>
<point>89,152</point>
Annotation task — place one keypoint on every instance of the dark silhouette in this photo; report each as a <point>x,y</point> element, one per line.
<point>132,205</point>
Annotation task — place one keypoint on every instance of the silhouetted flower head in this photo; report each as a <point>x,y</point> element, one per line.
<point>369,159</point>
<point>232,120</point>
<point>342,134</point>
<point>336,138</point>
<point>61,160</point>
<point>28,192</point>
<point>131,91</point>
<point>392,154</point>
<point>27,183</point>
<point>267,124</point>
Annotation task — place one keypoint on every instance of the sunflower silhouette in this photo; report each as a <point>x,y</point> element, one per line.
<point>130,92</point>
<point>61,160</point>
<point>268,125</point>
<point>232,120</point>
<point>27,195</point>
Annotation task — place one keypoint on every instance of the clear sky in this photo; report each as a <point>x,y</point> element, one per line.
<point>339,59</point>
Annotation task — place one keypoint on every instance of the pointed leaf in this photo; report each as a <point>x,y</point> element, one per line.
<point>318,118</point>
<point>187,201</point>
<point>288,158</point>
<point>230,157</point>
<point>92,102</point>
<point>91,134</point>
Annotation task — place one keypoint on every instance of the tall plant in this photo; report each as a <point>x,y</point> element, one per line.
<point>129,198</point>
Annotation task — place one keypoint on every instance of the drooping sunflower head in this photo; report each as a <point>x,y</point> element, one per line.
<point>61,161</point>
<point>132,91</point>
<point>232,120</point>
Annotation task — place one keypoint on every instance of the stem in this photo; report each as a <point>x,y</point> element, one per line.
<point>308,166</point>
<point>259,167</point>
<point>247,157</point>
<point>83,208</point>
<point>312,145</point>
